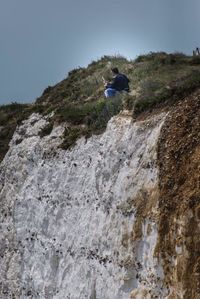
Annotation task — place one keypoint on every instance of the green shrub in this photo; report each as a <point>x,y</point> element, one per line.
<point>103,111</point>
<point>145,103</point>
<point>152,56</point>
<point>180,88</point>
<point>71,135</point>
<point>149,86</point>
<point>46,130</point>
<point>188,83</point>
<point>88,119</point>
<point>89,113</point>
<point>75,114</point>
<point>3,118</point>
<point>6,134</point>
<point>162,58</point>
<point>129,102</point>
<point>195,60</point>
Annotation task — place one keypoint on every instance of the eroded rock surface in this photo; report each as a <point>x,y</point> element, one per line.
<point>179,204</point>
<point>115,217</point>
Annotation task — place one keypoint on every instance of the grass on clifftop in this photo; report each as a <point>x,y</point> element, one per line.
<point>150,75</point>
<point>88,119</point>
<point>156,78</point>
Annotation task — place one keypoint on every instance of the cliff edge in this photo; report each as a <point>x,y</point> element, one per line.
<point>104,203</point>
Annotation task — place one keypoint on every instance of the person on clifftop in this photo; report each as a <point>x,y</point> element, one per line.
<point>119,83</point>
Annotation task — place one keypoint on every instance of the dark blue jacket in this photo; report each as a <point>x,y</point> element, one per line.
<point>120,82</point>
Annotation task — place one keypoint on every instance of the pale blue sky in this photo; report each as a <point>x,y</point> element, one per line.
<point>41,40</point>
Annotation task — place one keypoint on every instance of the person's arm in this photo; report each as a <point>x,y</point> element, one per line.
<point>104,80</point>
<point>107,84</point>
<point>113,84</point>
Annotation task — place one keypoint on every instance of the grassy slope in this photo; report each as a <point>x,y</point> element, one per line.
<point>78,99</point>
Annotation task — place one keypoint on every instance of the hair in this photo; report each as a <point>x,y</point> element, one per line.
<point>115,70</point>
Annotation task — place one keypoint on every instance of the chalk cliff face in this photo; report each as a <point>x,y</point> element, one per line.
<point>97,221</point>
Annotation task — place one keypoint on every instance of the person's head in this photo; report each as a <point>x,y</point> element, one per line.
<point>115,70</point>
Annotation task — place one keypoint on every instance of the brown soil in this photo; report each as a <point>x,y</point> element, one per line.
<point>179,203</point>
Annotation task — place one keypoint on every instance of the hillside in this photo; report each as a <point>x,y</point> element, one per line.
<point>99,199</point>
<point>157,79</point>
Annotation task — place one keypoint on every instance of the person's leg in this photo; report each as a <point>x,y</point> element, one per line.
<point>110,92</point>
